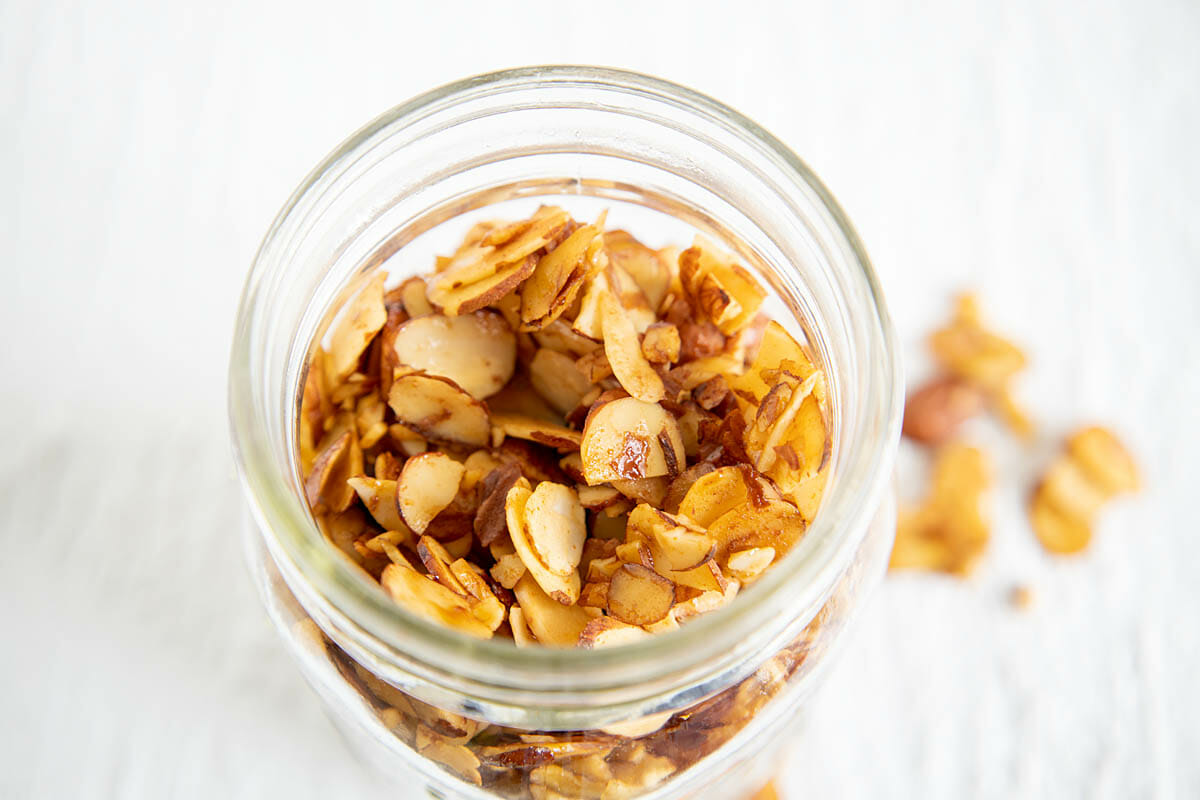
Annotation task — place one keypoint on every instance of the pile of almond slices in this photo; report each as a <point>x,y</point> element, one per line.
<point>563,436</point>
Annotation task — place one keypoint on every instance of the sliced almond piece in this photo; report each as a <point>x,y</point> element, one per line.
<point>326,487</point>
<point>628,439</point>
<point>463,299</point>
<point>508,569</point>
<point>557,527</point>
<point>356,327</point>
<point>777,524</point>
<point>477,351</point>
<point>553,623</point>
<point>431,600</point>
<point>491,522</point>
<point>639,596</point>
<point>594,498</point>
<point>543,298</point>
<point>380,499</point>
<point>413,296</point>
<point>559,437</point>
<point>648,268</point>
<point>1104,459</point>
<point>486,607</point>
<point>675,543</point>
<point>556,379</point>
<point>727,293</point>
<point>437,561</point>
<point>727,489</point>
<point>644,490</point>
<point>706,577</point>
<point>428,483</point>
<point>438,409</point>
<point>748,564</point>
<point>530,754</point>
<point>776,347</point>
<point>624,353</point>
<point>562,338</point>
<point>522,636</point>
<point>609,632</point>
<point>563,588</point>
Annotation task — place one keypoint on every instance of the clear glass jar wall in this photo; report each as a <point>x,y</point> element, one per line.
<point>478,718</point>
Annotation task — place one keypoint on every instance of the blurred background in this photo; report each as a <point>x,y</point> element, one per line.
<point>1042,154</point>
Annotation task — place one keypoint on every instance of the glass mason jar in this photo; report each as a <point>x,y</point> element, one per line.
<point>701,711</point>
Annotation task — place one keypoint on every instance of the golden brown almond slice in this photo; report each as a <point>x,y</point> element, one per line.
<point>362,318</point>
<point>413,297</point>
<point>508,569</point>
<point>477,351</point>
<point>486,607</point>
<point>726,293</point>
<point>594,498</point>
<point>455,756</point>
<point>430,600</point>
<point>624,353</point>
<point>968,350</point>
<point>706,577</point>
<point>660,343</point>
<point>466,298</point>
<point>705,602</point>
<point>437,561</point>
<point>438,409</point>
<point>609,632</point>
<point>776,347</point>
<point>628,439</point>
<point>648,268</point>
<point>428,483</point>
<point>748,564</point>
<point>522,636</point>
<point>777,524</point>
<point>588,323</point>
<point>1104,459</point>
<point>559,437</point>
<point>639,596</point>
<point>549,291</point>
<point>644,490</point>
<point>560,337</point>
<point>478,465</point>
<point>557,527</point>
<point>556,379</point>
<point>515,755</point>
<point>475,263</point>
<point>1059,531</point>
<point>728,488</point>
<point>562,588</point>
<point>380,499</point>
<point>491,523</point>
<point>679,487</point>
<point>326,487</point>
<point>553,623</point>
<point>675,543</point>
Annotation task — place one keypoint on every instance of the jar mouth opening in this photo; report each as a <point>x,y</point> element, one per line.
<point>859,475</point>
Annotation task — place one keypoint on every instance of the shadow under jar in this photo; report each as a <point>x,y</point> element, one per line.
<point>700,711</point>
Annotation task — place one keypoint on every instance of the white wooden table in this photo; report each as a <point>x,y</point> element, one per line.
<point>1043,153</point>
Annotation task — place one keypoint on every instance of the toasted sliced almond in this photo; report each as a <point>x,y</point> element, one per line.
<point>777,524</point>
<point>508,569</point>
<point>553,623</point>
<point>357,326</point>
<point>413,296</point>
<point>1105,460</point>
<point>530,754</point>
<point>628,439</point>
<point>639,596</point>
<point>431,600</point>
<point>380,499</point>
<point>648,268</point>
<point>550,290</point>
<point>477,351</point>
<point>624,353</point>
<point>609,632</point>
<point>561,438</point>
<point>557,527</point>
<point>727,489</point>
<point>556,379</point>
<point>562,338</point>
<point>726,292</point>
<point>326,487</point>
<point>748,564</point>
<point>644,490</point>
<point>428,483</point>
<point>776,347</point>
<point>438,409</point>
<point>491,522</point>
<point>486,607</point>
<point>465,298</point>
<point>522,636</point>
<point>594,498</point>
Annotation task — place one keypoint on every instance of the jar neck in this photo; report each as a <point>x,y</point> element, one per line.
<point>466,146</point>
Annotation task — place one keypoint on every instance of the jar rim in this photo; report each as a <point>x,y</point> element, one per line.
<point>522,673</point>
